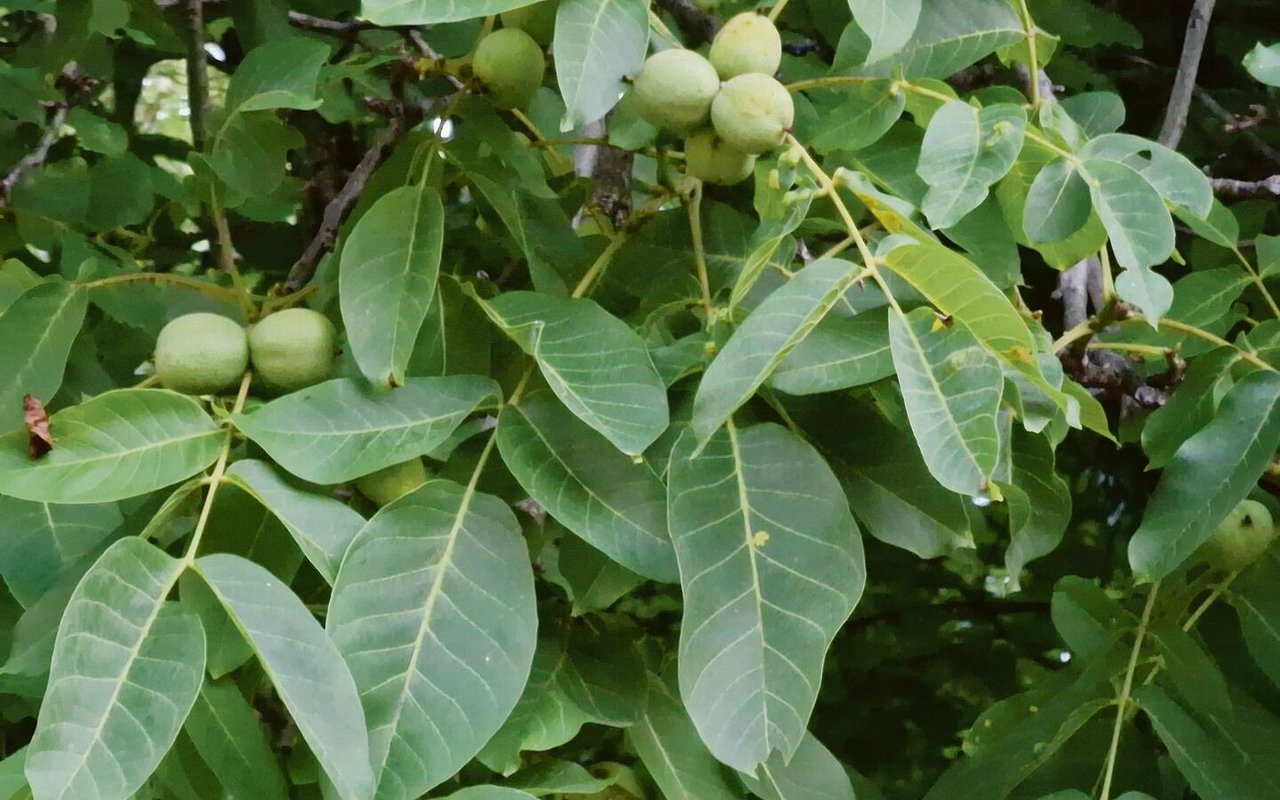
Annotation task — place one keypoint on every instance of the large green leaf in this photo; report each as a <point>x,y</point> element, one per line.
<point>811,774</point>
<point>616,504</point>
<point>840,353</point>
<point>900,504</point>
<point>425,12</point>
<point>1170,173</point>
<point>1058,203</point>
<point>304,665</point>
<point>965,151</point>
<point>489,793</point>
<point>670,749</point>
<point>119,444</point>
<point>1257,604</point>
<point>1210,473</point>
<point>44,539</point>
<point>594,581</point>
<point>887,23</point>
<point>1039,503</point>
<point>771,566</point>
<point>340,429</point>
<point>434,611</point>
<point>322,526</point>
<point>761,343</point>
<point>544,717</point>
<point>1139,228</point>
<point>603,674</point>
<point>1223,758</point>
<point>126,669</point>
<point>1263,63</point>
<point>598,45</point>
<point>227,734</point>
<point>949,37</point>
<point>1190,407</point>
<point>555,778</point>
<point>387,278</point>
<point>278,74</point>
<point>1190,670</point>
<point>863,114</point>
<point>598,367</point>
<point>37,330</point>
<point>951,387</point>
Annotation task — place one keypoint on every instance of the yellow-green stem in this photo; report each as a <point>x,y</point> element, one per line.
<point>215,477</point>
<point>598,267</point>
<point>694,207</point>
<point>1258,281</point>
<point>1126,691</point>
<point>204,287</point>
<point>1029,27</point>
<point>776,11</point>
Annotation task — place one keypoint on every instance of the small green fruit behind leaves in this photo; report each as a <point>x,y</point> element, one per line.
<point>292,349</point>
<point>752,112</point>
<point>393,482</point>
<point>710,158</point>
<point>1242,537</point>
<point>201,354</point>
<point>747,43</point>
<point>675,88</point>
<point>537,20</point>
<point>510,64</point>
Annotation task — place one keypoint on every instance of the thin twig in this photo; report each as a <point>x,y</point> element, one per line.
<point>1184,83</point>
<point>1231,125</point>
<point>340,206</point>
<point>197,74</point>
<point>1231,188</point>
<point>37,156</point>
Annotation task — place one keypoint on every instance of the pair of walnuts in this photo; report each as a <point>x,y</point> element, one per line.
<point>206,353</point>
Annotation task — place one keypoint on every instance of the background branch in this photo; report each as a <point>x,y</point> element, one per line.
<point>340,206</point>
<point>1184,83</point>
<point>36,157</point>
<point>197,74</point>
<point>1229,188</point>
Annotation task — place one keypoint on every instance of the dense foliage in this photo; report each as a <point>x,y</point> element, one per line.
<point>396,404</point>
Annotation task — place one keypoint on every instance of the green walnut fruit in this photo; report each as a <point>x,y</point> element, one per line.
<point>537,20</point>
<point>292,349</point>
<point>747,43</point>
<point>709,158</point>
<point>510,64</point>
<point>393,482</point>
<point>674,90</point>
<point>752,112</point>
<point>1242,537</point>
<point>201,354</point>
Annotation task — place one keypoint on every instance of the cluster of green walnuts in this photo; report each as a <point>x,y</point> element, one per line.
<point>727,104</point>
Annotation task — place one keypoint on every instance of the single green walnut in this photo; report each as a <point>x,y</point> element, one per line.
<point>709,158</point>
<point>747,43</point>
<point>201,354</point>
<point>292,349</point>
<point>1242,537</point>
<point>510,64</point>
<point>393,482</point>
<point>674,90</point>
<point>752,112</point>
<point>537,20</point>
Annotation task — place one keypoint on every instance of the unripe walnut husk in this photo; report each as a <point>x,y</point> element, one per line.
<point>752,113</point>
<point>292,349</point>
<point>674,90</point>
<point>393,482</point>
<point>510,64</point>
<point>1241,538</point>
<point>201,354</point>
<point>747,43</point>
<point>711,159</point>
